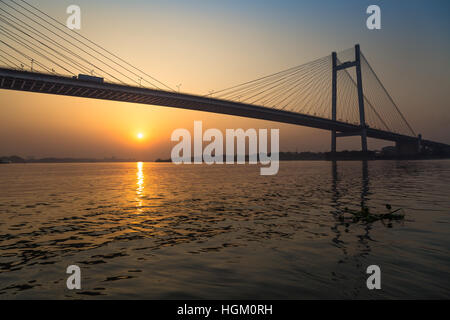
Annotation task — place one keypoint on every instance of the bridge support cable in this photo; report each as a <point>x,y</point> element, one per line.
<point>108,52</point>
<point>45,55</point>
<point>46,42</point>
<point>76,47</point>
<point>294,89</point>
<point>44,67</point>
<point>18,23</point>
<point>385,98</point>
<point>74,51</point>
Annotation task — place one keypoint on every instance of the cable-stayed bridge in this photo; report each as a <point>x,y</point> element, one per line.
<point>340,92</point>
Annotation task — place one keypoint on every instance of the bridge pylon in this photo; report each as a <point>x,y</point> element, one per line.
<point>362,118</point>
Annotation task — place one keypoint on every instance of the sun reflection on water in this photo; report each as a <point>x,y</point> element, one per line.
<point>140,185</point>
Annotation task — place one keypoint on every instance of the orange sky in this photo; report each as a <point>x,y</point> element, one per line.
<point>210,46</point>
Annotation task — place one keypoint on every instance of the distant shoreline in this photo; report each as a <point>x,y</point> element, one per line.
<point>17,159</point>
<point>283,156</point>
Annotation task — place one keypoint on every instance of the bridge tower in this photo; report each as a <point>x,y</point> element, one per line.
<point>362,118</point>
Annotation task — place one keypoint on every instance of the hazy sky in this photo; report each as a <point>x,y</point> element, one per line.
<point>209,45</point>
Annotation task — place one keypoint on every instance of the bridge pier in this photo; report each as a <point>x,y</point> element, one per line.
<point>362,117</point>
<point>333,100</point>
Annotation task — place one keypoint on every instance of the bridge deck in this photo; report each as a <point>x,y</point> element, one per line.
<point>59,85</point>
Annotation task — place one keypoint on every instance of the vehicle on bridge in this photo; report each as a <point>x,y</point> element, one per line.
<point>85,77</point>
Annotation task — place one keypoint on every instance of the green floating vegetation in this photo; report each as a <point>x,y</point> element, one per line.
<point>364,215</point>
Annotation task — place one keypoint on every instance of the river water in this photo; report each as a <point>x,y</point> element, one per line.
<point>161,231</point>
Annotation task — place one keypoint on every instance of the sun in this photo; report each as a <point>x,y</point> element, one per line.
<point>140,135</point>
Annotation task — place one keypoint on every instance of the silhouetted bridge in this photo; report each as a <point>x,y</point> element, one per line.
<point>327,93</point>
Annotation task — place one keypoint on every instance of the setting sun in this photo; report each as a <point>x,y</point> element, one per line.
<point>140,135</point>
